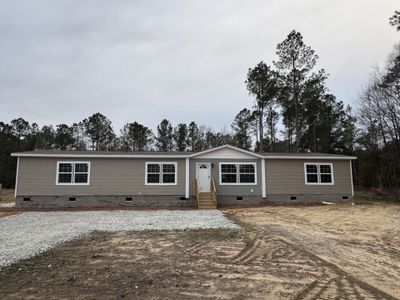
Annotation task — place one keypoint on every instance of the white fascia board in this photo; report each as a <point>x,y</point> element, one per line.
<point>97,156</point>
<point>312,157</point>
<point>226,146</point>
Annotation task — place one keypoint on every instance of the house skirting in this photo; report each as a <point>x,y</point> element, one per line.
<point>308,198</point>
<point>170,201</point>
<point>240,200</point>
<point>103,201</point>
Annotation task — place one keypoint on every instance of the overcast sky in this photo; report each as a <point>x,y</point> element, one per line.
<point>182,60</point>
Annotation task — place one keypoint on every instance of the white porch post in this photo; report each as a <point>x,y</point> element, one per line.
<point>263,179</point>
<point>351,177</point>
<point>187,183</point>
<point>16,178</point>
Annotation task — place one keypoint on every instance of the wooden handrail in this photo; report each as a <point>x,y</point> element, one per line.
<point>196,192</point>
<point>214,192</point>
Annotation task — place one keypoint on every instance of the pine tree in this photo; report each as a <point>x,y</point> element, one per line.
<point>98,128</point>
<point>262,82</point>
<point>296,61</point>
<point>242,126</point>
<point>180,137</point>
<point>164,139</point>
<point>195,140</point>
<point>64,137</point>
<point>136,137</point>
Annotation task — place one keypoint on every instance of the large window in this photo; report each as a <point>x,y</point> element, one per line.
<point>76,173</point>
<point>237,173</point>
<point>318,173</point>
<point>161,173</point>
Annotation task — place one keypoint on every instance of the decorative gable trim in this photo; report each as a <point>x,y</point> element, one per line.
<point>226,152</point>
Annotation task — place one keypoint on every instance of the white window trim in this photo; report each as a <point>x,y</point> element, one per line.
<point>73,172</point>
<point>318,174</point>
<point>238,173</point>
<point>161,163</point>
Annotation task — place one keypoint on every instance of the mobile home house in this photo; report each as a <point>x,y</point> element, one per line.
<point>220,176</point>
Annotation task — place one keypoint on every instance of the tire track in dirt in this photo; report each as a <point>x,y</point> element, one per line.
<point>248,252</point>
<point>350,279</point>
<point>196,247</point>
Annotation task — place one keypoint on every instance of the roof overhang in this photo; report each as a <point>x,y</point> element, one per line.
<point>97,155</point>
<point>203,154</point>
<point>312,157</point>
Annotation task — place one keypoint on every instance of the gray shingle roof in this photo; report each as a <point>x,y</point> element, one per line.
<point>300,154</point>
<point>101,153</point>
<point>90,153</point>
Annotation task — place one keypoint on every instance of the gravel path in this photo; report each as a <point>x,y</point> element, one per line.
<point>27,234</point>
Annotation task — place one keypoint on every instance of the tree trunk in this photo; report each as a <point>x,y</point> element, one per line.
<point>271,127</point>
<point>296,108</point>
<point>261,129</point>
<point>314,139</point>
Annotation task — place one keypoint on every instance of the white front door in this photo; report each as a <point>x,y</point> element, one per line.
<point>204,177</point>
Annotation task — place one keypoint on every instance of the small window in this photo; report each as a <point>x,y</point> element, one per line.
<point>228,173</point>
<point>312,173</point>
<point>73,173</point>
<point>161,173</point>
<point>319,173</point>
<point>238,173</point>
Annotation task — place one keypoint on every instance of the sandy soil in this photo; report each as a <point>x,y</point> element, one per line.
<point>361,240</point>
<point>343,252</point>
<point>6,213</point>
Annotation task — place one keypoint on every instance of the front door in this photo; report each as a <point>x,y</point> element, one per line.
<point>204,177</point>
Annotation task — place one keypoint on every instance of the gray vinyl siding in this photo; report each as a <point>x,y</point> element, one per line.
<point>287,177</point>
<point>108,176</point>
<point>228,190</point>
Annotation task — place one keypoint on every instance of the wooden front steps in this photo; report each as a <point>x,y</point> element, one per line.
<point>206,201</point>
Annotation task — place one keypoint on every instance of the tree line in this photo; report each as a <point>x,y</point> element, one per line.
<point>96,133</point>
<point>378,140</point>
<point>293,111</point>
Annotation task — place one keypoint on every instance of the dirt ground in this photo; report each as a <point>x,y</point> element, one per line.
<point>6,213</point>
<point>317,252</point>
<point>7,196</point>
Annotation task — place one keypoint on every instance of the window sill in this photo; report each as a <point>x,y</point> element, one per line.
<point>160,184</point>
<point>255,183</point>
<point>320,183</point>
<point>72,184</point>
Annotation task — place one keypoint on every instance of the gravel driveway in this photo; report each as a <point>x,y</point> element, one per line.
<point>27,234</point>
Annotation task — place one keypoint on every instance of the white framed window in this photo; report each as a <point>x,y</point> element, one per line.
<point>73,173</point>
<point>318,173</point>
<point>232,173</point>
<point>161,173</point>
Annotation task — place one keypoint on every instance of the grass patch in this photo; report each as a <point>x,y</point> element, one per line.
<point>7,196</point>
